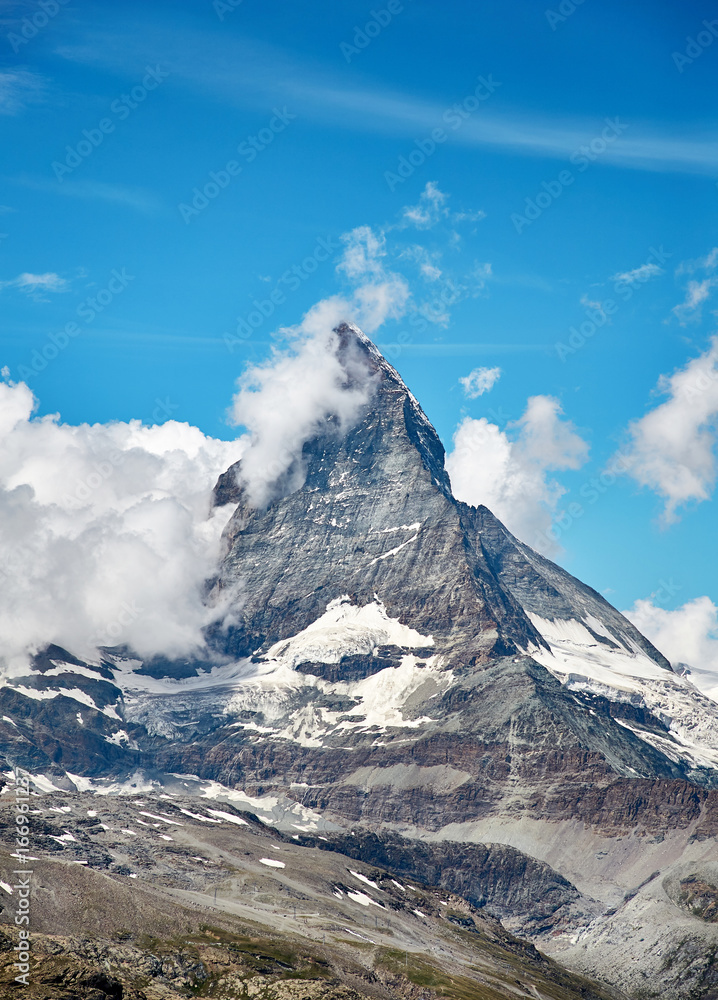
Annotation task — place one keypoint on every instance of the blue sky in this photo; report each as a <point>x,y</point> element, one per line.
<point>115,116</point>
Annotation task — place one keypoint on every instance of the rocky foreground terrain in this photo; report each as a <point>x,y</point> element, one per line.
<point>405,684</point>
<point>159,896</point>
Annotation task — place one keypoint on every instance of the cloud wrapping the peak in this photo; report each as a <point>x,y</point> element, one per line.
<point>507,470</point>
<point>106,536</point>
<point>310,387</point>
<point>671,449</point>
<point>302,391</point>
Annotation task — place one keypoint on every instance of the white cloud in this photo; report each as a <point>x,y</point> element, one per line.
<point>507,470</point>
<point>688,635</point>
<point>707,263</point>
<point>429,210</point>
<point>36,284</point>
<point>479,275</point>
<point>479,381</point>
<point>698,290</point>
<point>638,274</point>
<point>106,536</point>
<point>427,262</point>
<point>591,303</point>
<point>364,253</point>
<point>476,216</point>
<point>376,293</point>
<point>671,448</point>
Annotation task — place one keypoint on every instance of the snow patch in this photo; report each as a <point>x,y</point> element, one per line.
<point>202,819</point>
<point>162,819</point>
<point>363,899</point>
<point>66,838</point>
<point>365,880</point>
<point>74,693</point>
<point>345,629</point>
<point>120,739</point>
<point>229,817</point>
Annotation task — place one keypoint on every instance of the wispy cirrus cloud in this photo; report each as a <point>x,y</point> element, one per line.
<point>18,88</point>
<point>698,289</point>
<point>35,285</point>
<point>120,194</point>
<point>430,208</point>
<point>248,73</point>
<point>638,274</point>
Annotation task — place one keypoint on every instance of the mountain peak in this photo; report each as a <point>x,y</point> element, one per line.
<point>375,518</point>
<point>362,364</point>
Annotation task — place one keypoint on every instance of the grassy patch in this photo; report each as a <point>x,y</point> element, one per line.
<point>424,974</point>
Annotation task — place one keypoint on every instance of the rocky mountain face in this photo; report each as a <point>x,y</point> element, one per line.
<point>405,683</point>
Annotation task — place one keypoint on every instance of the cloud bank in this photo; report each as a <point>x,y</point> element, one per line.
<point>106,536</point>
<point>507,471</point>
<point>687,636</point>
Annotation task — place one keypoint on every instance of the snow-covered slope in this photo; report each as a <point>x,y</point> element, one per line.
<point>586,657</point>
